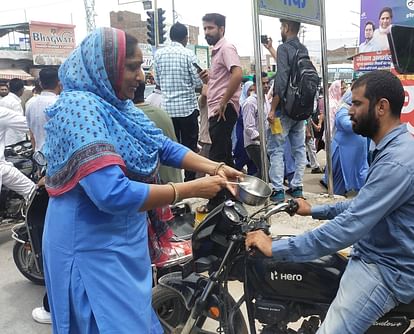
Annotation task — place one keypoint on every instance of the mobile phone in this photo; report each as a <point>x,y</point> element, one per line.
<point>264,39</point>
<point>199,69</point>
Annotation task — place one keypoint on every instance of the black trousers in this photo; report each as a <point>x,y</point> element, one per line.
<point>220,135</point>
<point>46,303</point>
<point>186,131</point>
<point>254,153</point>
<point>221,147</point>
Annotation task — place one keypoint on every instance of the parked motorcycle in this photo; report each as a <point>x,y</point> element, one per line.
<point>12,204</point>
<point>276,294</point>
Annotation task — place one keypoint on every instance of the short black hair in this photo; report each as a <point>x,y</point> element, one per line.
<point>371,23</point>
<point>37,89</point>
<point>131,44</point>
<point>382,84</point>
<point>178,32</point>
<point>263,75</point>
<point>48,78</point>
<point>218,19</point>
<point>15,85</point>
<point>139,95</point>
<point>293,25</point>
<point>385,9</point>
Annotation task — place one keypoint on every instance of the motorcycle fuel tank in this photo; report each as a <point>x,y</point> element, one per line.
<point>316,280</point>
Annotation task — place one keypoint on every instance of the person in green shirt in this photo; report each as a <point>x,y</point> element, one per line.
<point>163,121</point>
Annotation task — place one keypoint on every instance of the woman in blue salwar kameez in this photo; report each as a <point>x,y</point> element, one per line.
<point>103,155</point>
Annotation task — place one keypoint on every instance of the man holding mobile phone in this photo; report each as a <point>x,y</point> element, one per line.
<point>178,79</point>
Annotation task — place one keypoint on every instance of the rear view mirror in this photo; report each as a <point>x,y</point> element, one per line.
<point>401,41</point>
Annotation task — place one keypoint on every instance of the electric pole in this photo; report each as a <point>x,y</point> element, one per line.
<point>90,15</point>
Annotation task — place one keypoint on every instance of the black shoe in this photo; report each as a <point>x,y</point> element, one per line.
<point>323,184</point>
<point>317,170</point>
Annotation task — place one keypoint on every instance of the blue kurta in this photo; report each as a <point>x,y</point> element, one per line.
<point>96,258</point>
<point>349,156</point>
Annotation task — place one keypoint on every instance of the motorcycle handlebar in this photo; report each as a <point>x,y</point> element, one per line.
<point>291,206</point>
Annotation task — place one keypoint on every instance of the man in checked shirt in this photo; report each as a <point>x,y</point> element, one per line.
<point>178,80</point>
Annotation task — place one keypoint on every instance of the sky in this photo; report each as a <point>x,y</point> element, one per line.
<point>342,18</point>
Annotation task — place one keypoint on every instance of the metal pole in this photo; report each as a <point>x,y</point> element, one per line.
<point>326,99</point>
<point>173,10</point>
<point>157,37</point>
<point>259,88</point>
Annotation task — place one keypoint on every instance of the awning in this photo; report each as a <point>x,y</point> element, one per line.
<point>11,73</point>
<point>22,28</point>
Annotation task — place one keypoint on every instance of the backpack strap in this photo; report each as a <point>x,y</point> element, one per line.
<point>292,69</point>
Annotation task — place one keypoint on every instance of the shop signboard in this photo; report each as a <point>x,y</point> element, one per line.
<point>51,43</point>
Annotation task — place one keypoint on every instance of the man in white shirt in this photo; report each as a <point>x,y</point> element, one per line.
<point>35,112</point>
<point>155,98</point>
<point>12,101</point>
<point>250,115</point>
<point>369,44</point>
<point>4,90</point>
<point>10,176</point>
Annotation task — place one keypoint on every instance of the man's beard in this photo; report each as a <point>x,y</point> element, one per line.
<point>367,125</point>
<point>212,40</point>
<point>283,38</point>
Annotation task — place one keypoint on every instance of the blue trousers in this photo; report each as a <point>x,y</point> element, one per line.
<point>295,131</point>
<point>361,299</point>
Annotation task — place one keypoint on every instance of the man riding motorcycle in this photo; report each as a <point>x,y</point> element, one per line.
<point>10,176</point>
<point>378,222</point>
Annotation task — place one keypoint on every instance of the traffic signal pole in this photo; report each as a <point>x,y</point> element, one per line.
<point>155,27</point>
<point>157,37</point>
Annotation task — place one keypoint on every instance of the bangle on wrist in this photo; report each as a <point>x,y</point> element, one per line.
<point>176,193</point>
<point>219,165</point>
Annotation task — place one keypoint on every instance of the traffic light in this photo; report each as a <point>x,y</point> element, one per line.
<point>161,26</point>
<point>151,27</point>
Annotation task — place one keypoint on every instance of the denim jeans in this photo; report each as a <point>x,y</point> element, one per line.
<point>361,299</point>
<point>295,130</point>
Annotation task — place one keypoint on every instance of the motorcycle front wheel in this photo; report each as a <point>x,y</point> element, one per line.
<point>170,309</point>
<point>24,259</point>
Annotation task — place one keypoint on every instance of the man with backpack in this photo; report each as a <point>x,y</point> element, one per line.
<point>295,87</point>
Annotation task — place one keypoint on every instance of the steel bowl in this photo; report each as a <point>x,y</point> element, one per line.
<point>253,191</point>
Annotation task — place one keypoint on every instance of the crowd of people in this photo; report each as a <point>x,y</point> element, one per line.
<point>114,158</point>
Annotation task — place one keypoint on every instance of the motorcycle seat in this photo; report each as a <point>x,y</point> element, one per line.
<point>405,308</point>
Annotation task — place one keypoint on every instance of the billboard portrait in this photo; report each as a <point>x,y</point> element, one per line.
<point>51,43</point>
<point>377,18</point>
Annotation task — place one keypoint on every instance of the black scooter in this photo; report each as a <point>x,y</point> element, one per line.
<point>276,294</point>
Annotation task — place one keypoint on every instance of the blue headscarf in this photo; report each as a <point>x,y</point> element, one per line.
<point>90,127</point>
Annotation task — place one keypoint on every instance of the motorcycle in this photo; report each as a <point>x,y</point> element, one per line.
<point>27,250</point>
<point>276,294</point>
<point>12,205</point>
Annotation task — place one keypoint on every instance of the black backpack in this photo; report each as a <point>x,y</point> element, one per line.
<point>302,87</point>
